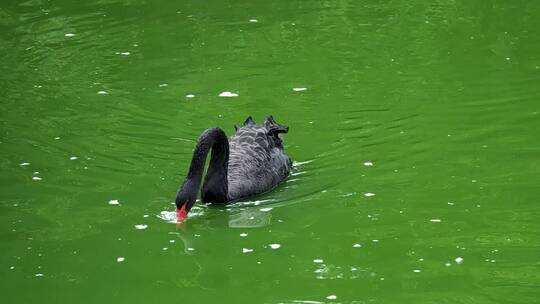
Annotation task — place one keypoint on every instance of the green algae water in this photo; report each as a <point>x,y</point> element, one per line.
<point>413,130</point>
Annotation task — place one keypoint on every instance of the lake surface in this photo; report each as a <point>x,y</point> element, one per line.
<point>414,128</point>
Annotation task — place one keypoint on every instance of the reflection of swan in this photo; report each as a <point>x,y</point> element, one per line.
<point>236,218</point>
<point>251,162</point>
<point>249,218</point>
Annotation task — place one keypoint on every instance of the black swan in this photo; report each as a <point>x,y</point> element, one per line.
<point>251,162</point>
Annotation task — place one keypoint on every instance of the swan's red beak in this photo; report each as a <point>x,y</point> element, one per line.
<point>181,214</point>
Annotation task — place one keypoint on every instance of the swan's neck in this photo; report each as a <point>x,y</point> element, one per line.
<point>215,183</point>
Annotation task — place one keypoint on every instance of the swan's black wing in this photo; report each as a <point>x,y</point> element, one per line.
<point>257,162</point>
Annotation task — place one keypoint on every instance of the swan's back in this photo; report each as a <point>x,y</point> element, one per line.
<point>257,162</point>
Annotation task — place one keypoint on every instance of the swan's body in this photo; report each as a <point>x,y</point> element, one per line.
<point>251,162</point>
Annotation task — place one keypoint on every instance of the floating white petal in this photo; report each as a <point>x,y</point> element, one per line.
<point>228,94</point>
<point>36,178</point>
<point>114,202</point>
<point>73,158</point>
<point>24,164</point>
<point>190,96</point>
<point>69,35</point>
<point>318,261</point>
<point>368,194</point>
<point>368,164</point>
<point>331,297</point>
<point>299,89</point>
<point>120,259</point>
<point>275,246</point>
<point>459,260</point>
<point>141,226</point>
<point>246,250</point>
<point>265,209</point>
<point>435,220</point>
<point>102,93</point>
<point>243,234</point>
<point>253,20</point>
<point>357,245</point>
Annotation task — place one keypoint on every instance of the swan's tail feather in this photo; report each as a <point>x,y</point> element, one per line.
<point>249,121</point>
<point>274,127</point>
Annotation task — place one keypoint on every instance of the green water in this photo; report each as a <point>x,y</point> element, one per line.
<point>416,149</point>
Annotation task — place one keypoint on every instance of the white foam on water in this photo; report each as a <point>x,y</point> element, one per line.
<point>247,250</point>
<point>459,260</point>
<point>73,158</point>
<point>318,261</point>
<point>357,245</point>
<point>228,94</point>
<point>275,246</point>
<point>24,164</point>
<point>102,93</point>
<point>265,209</point>
<point>368,164</point>
<point>253,20</point>
<point>114,202</point>
<point>375,241</point>
<point>299,89</point>
<point>169,216</point>
<point>369,194</point>
<point>331,297</point>
<point>141,226</point>
<point>39,275</point>
<point>36,178</point>
<point>69,35</point>
<point>163,85</point>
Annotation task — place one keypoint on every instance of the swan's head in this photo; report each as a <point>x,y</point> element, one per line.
<point>185,199</point>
